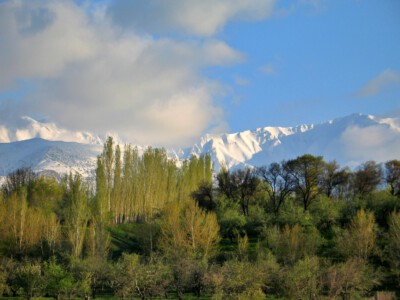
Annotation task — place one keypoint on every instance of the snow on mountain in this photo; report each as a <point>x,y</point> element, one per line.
<point>27,128</point>
<point>350,140</point>
<point>49,157</point>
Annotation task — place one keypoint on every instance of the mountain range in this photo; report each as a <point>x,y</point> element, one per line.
<point>349,140</point>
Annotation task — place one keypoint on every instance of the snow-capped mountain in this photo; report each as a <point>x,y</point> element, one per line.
<point>49,157</point>
<point>350,140</point>
<point>27,128</point>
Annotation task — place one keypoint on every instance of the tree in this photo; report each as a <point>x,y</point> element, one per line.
<point>279,184</point>
<point>76,213</point>
<point>392,176</point>
<point>367,178</point>
<point>19,178</point>
<point>238,186</point>
<point>359,239</point>
<point>333,177</point>
<point>28,277</point>
<point>241,280</point>
<point>293,243</point>
<point>204,196</point>
<point>303,280</point>
<point>57,281</point>
<point>188,231</point>
<point>392,249</point>
<point>306,172</point>
<point>350,279</point>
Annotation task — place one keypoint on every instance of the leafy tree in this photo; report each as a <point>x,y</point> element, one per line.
<point>303,280</point>
<point>360,238</point>
<point>239,186</point>
<point>98,273</point>
<point>231,222</point>
<point>28,277</point>
<point>392,250</point>
<point>350,279</point>
<point>204,196</point>
<point>189,231</point>
<point>20,178</point>
<point>57,281</point>
<point>279,184</point>
<point>306,172</point>
<point>152,279</point>
<point>293,243</point>
<point>392,176</point>
<point>76,213</point>
<point>241,280</point>
<point>367,178</point>
<point>124,275</point>
<point>333,177</point>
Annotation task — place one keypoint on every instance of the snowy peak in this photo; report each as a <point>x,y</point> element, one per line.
<point>350,141</point>
<point>339,139</point>
<point>28,128</point>
<point>44,156</point>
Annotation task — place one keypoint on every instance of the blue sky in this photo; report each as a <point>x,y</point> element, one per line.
<point>166,72</point>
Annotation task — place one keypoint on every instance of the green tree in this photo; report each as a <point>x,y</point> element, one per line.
<point>76,213</point>
<point>306,172</point>
<point>367,178</point>
<point>189,231</point>
<point>28,278</point>
<point>392,250</point>
<point>333,178</point>
<point>241,280</point>
<point>57,281</point>
<point>351,279</point>
<point>359,239</point>
<point>278,183</point>
<point>392,176</point>
<point>293,243</point>
<point>303,280</point>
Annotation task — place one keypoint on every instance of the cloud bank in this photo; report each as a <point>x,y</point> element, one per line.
<point>201,18</point>
<point>380,83</point>
<point>375,142</point>
<point>98,70</point>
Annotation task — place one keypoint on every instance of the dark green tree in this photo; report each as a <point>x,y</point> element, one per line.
<point>306,172</point>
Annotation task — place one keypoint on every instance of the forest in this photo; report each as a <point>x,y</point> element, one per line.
<point>149,228</point>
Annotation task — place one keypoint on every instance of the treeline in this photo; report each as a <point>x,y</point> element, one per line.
<point>298,229</point>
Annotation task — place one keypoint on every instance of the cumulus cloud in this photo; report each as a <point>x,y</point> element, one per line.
<point>202,18</point>
<point>89,75</point>
<point>377,142</point>
<point>380,83</point>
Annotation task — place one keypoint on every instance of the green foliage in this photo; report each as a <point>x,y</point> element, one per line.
<point>231,221</point>
<point>57,281</point>
<point>351,279</point>
<point>358,240</point>
<point>240,280</point>
<point>28,278</point>
<point>392,249</point>
<point>72,238</point>
<point>293,242</point>
<point>303,280</point>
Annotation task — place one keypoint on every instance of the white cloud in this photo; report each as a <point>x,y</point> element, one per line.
<point>268,69</point>
<point>202,18</point>
<point>375,142</point>
<point>90,76</point>
<point>379,83</point>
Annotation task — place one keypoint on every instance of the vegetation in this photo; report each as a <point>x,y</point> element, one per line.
<point>146,228</point>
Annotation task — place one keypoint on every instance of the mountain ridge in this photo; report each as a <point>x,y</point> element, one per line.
<point>341,139</point>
